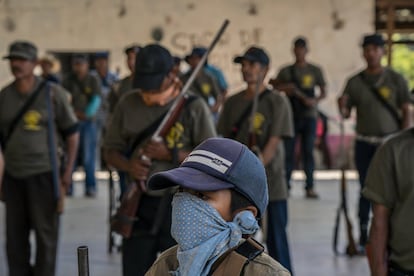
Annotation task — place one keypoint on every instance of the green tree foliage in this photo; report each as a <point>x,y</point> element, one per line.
<point>403,62</point>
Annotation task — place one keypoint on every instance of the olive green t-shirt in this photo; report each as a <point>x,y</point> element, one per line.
<point>204,85</point>
<point>273,118</point>
<point>131,117</point>
<point>390,182</point>
<point>306,78</point>
<point>262,265</point>
<point>82,91</point>
<point>373,119</point>
<point>123,87</point>
<point>27,151</point>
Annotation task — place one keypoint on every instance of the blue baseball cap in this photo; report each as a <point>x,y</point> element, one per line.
<point>197,51</point>
<point>254,54</point>
<point>152,64</point>
<point>217,164</point>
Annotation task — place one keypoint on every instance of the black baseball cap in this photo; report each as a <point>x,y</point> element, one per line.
<point>300,42</point>
<point>22,49</point>
<point>255,54</point>
<point>373,39</point>
<point>132,48</point>
<point>152,64</point>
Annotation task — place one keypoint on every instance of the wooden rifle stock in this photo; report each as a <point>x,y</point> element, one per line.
<point>125,216</point>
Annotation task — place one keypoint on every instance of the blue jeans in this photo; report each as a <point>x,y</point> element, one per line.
<point>364,152</point>
<point>87,153</point>
<point>306,129</point>
<point>277,242</point>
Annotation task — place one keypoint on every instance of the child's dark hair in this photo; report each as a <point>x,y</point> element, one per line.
<point>238,201</point>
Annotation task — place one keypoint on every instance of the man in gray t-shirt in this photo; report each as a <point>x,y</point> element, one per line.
<point>381,99</point>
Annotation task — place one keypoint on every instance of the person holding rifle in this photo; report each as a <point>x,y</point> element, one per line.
<point>299,81</point>
<point>270,123</point>
<point>136,117</point>
<point>381,98</point>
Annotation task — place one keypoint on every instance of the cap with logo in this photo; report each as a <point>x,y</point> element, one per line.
<point>373,39</point>
<point>152,64</point>
<point>254,54</point>
<point>23,50</point>
<point>216,164</point>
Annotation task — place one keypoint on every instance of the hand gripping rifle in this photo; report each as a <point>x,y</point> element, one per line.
<point>351,249</point>
<point>125,216</point>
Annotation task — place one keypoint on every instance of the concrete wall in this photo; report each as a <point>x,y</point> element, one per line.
<point>97,24</point>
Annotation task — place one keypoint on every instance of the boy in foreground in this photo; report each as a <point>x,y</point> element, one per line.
<point>222,193</point>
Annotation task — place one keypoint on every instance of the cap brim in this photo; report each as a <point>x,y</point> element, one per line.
<point>148,81</point>
<point>18,55</point>
<point>187,178</point>
<point>239,59</point>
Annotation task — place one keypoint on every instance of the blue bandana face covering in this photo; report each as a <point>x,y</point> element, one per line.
<point>203,235</point>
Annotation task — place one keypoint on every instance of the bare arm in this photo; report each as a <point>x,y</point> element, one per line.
<point>72,142</point>
<point>378,240</point>
<point>343,108</point>
<point>323,93</point>
<point>270,149</point>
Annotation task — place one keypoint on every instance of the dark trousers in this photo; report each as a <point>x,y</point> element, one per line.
<point>364,152</point>
<point>31,205</point>
<point>140,251</point>
<point>305,128</point>
<point>277,242</point>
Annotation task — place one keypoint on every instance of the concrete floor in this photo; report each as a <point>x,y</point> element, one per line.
<point>310,231</point>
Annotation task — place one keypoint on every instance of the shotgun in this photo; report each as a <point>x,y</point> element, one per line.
<point>125,216</point>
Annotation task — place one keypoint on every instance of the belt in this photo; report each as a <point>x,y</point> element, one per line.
<point>376,140</point>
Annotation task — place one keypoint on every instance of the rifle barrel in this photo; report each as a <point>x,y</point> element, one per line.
<point>190,80</point>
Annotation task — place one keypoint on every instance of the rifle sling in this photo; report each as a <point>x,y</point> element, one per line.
<point>21,112</point>
<point>233,261</point>
<point>381,99</point>
<point>236,127</point>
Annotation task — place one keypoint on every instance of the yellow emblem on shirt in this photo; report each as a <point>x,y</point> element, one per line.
<point>88,90</point>
<point>174,136</point>
<point>258,123</point>
<point>206,88</point>
<point>385,92</point>
<point>31,120</point>
<point>307,81</point>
